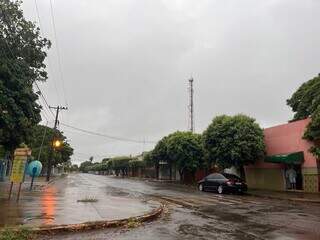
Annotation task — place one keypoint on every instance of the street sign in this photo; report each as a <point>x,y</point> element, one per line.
<point>18,168</point>
<point>34,170</point>
<point>37,165</point>
<point>19,164</point>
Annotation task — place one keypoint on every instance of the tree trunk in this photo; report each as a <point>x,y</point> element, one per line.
<point>181,174</point>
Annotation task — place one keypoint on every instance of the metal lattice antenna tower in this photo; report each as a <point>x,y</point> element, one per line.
<point>191,107</point>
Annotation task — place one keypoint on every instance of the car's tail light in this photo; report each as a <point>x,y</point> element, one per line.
<point>229,183</point>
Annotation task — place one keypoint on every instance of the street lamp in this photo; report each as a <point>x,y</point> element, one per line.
<point>57,143</point>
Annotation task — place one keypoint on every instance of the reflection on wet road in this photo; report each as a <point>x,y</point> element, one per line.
<point>197,215</point>
<point>48,203</point>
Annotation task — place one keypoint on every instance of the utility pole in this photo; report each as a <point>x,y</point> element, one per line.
<point>191,108</point>
<point>49,167</point>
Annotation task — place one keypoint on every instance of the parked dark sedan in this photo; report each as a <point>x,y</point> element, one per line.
<point>222,183</point>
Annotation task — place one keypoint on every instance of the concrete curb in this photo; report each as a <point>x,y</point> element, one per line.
<point>303,200</point>
<point>97,224</point>
<point>56,178</point>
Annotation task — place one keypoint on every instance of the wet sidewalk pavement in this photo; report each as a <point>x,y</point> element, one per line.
<point>288,195</point>
<point>68,200</point>
<point>38,184</point>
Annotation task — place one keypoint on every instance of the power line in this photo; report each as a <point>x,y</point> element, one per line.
<point>45,115</point>
<point>45,111</point>
<point>44,99</point>
<point>38,15</point>
<point>41,30</point>
<point>44,134</point>
<point>58,52</point>
<point>105,135</point>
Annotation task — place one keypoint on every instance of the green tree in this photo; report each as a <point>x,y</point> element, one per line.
<point>233,141</point>
<point>148,159</point>
<point>136,163</point>
<point>305,102</point>
<point>73,168</point>
<point>105,160</point>
<point>84,166</point>
<point>42,136</point>
<point>158,154</point>
<point>22,54</point>
<point>184,149</point>
<point>121,165</point>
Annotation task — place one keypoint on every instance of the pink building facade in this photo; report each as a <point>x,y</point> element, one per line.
<point>282,141</point>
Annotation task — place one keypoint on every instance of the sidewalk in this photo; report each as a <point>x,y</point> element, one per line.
<point>288,195</point>
<point>75,199</point>
<point>39,184</point>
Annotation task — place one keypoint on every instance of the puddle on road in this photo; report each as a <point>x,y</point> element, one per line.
<point>37,217</point>
<point>117,193</point>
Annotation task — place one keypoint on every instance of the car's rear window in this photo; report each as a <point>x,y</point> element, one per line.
<point>231,176</point>
<point>216,176</point>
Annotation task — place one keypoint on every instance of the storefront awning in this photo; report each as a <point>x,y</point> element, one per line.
<point>291,158</point>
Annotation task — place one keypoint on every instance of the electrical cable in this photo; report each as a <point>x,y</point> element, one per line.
<point>48,58</point>
<point>105,135</point>
<point>58,52</point>
<point>44,99</point>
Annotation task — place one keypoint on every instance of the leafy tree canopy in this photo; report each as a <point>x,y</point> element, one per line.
<point>84,166</point>
<point>305,102</point>
<point>160,151</point>
<point>120,162</point>
<point>181,149</point>
<point>22,54</point>
<point>185,150</point>
<point>233,141</point>
<point>148,159</point>
<point>72,168</point>
<point>136,163</point>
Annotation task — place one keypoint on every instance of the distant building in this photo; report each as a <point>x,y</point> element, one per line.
<point>285,148</point>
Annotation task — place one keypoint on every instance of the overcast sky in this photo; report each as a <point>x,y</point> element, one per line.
<point>126,64</point>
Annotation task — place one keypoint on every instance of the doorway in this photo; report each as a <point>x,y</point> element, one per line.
<point>299,177</point>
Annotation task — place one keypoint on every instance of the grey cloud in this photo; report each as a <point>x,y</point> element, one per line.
<point>126,63</point>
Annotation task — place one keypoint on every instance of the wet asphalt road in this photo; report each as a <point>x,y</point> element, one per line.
<point>191,214</point>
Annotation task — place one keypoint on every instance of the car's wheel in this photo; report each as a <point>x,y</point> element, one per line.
<point>201,187</point>
<point>220,189</point>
